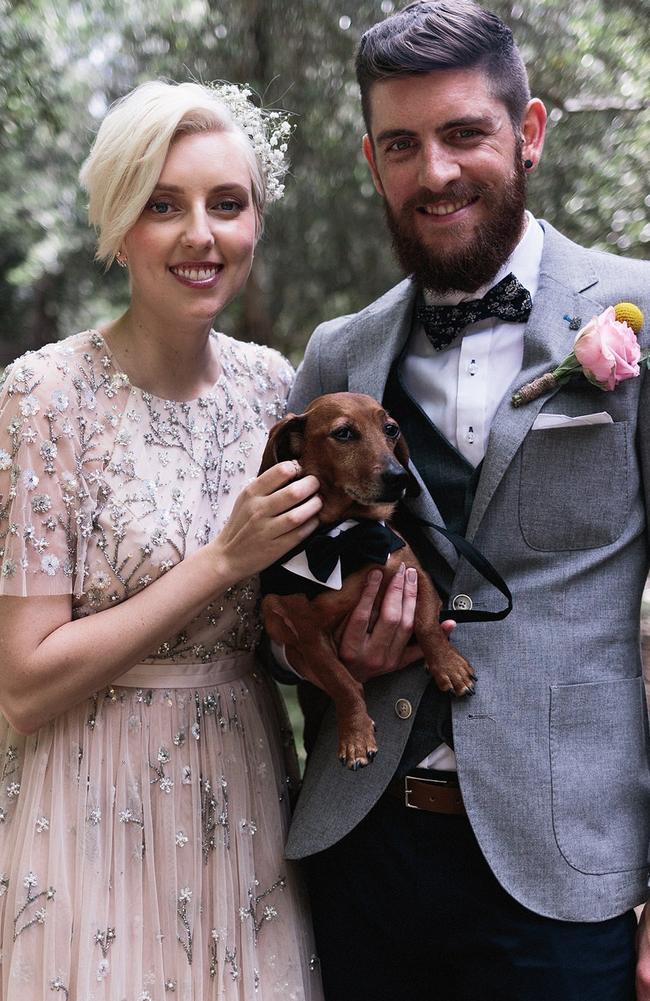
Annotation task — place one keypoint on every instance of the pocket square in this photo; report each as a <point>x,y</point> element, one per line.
<point>543,422</point>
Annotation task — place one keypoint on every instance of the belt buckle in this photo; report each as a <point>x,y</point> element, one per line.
<point>407,790</point>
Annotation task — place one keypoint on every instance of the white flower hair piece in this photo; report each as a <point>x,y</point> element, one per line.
<point>269,132</point>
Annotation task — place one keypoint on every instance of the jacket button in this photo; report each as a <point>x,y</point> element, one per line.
<point>403,708</point>
<point>462,603</point>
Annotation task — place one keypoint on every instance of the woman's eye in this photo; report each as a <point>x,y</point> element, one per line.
<point>159,207</point>
<point>391,431</point>
<point>343,434</point>
<point>229,205</point>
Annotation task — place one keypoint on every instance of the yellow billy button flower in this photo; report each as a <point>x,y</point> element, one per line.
<point>628,313</point>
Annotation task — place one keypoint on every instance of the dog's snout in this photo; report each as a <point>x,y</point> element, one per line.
<point>395,478</point>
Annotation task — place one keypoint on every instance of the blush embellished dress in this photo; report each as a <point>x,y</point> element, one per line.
<point>141,831</point>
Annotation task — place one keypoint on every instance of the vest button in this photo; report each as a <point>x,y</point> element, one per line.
<point>403,708</point>
<point>462,603</point>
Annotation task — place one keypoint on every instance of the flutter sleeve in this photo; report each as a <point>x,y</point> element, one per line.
<point>45,503</point>
<point>280,381</point>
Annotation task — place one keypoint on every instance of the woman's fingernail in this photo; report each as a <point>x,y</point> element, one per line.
<point>297,467</point>
<point>411,575</point>
<point>402,568</point>
<point>375,576</point>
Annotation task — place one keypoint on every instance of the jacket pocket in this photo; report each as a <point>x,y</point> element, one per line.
<point>574,491</point>
<point>599,775</point>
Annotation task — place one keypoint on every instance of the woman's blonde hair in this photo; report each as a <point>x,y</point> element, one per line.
<point>127,156</point>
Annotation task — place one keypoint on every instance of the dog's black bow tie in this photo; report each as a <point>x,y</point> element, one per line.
<point>367,542</point>
<point>507,300</point>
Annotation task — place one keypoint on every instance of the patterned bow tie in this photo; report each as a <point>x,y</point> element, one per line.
<point>507,300</point>
<point>367,542</point>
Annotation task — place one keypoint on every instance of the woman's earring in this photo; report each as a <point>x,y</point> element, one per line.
<point>121,260</point>
<point>528,164</point>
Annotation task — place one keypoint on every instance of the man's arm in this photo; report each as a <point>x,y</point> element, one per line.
<point>324,367</point>
<point>643,445</point>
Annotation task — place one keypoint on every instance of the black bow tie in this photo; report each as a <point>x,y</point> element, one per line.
<point>507,300</point>
<point>367,542</point>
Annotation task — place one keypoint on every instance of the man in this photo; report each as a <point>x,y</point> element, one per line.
<point>515,875</point>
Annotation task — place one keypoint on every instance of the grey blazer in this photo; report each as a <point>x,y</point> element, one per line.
<point>553,749</point>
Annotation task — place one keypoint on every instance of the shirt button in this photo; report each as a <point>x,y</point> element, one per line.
<point>462,603</point>
<point>403,708</point>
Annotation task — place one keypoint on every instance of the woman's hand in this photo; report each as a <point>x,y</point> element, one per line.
<point>272,514</point>
<point>375,644</point>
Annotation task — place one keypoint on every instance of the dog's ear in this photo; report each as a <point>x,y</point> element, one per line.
<point>286,441</point>
<point>402,456</point>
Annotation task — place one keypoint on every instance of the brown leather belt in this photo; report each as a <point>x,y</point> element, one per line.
<point>434,795</point>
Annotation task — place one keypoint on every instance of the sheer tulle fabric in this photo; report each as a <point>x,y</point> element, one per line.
<point>141,832</point>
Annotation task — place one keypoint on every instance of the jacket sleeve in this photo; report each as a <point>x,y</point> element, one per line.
<point>324,367</point>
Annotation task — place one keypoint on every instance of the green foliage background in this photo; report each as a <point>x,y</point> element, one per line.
<point>324,251</point>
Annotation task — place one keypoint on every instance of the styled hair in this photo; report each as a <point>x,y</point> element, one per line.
<point>127,156</point>
<point>444,34</point>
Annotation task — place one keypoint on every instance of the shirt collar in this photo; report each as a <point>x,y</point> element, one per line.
<point>524,263</point>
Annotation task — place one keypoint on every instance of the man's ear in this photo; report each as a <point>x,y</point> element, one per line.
<point>533,130</point>
<point>369,153</point>
<point>286,441</point>
<point>402,456</point>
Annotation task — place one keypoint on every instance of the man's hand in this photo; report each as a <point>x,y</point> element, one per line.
<point>373,644</point>
<point>643,956</point>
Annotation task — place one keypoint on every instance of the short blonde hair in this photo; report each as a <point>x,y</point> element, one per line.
<point>127,156</point>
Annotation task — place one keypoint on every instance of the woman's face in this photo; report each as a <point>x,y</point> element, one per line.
<point>191,250</point>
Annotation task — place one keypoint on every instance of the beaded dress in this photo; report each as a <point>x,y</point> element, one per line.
<point>141,831</point>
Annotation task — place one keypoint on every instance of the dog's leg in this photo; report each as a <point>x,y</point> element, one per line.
<point>293,622</point>
<point>448,668</point>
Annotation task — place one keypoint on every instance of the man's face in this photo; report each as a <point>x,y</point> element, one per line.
<point>446,159</point>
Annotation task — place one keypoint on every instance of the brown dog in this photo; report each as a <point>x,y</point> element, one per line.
<point>355,449</point>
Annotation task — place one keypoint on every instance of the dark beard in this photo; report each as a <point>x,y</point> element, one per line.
<point>475,264</point>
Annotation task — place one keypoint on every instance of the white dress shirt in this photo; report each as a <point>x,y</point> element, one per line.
<point>461,386</point>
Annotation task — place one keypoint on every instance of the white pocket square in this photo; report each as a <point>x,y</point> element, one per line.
<point>543,422</point>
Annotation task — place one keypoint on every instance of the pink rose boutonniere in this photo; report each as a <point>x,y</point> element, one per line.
<point>606,351</point>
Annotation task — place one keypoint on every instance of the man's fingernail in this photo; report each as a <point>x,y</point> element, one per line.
<point>375,576</point>
<point>411,575</point>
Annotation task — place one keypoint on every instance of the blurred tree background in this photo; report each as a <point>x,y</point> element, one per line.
<point>324,251</point>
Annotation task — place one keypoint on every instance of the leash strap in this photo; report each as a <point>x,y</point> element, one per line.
<point>476,559</point>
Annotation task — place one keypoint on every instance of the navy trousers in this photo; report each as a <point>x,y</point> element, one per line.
<point>406,909</point>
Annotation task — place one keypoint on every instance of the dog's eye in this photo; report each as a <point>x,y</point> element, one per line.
<point>343,434</point>
<point>391,431</point>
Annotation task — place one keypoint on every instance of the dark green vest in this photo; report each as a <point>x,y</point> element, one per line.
<point>451,481</point>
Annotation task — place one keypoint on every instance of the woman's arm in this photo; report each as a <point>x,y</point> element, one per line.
<point>50,663</point>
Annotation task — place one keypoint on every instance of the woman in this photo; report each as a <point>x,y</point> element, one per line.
<point>143,795</point>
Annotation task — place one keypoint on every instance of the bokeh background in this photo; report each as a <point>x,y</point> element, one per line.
<point>324,252</point>
<point>62,63</point>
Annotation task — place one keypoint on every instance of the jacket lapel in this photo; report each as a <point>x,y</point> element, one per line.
<point>566,276</point>
<point>372,349</point>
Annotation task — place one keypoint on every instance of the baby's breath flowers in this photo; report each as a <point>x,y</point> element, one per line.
<point>269,132</point>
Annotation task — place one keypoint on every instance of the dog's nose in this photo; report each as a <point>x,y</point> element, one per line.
<point>395,477</point>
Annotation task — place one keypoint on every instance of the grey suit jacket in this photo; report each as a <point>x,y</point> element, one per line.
<point>553,749</point>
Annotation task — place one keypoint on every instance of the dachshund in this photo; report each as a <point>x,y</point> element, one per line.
<point>357,452</point>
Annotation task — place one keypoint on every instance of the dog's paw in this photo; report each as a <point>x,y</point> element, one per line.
<point>454,675</point>
<point>357,745</point>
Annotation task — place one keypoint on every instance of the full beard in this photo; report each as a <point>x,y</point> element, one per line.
<point>476,262</point>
